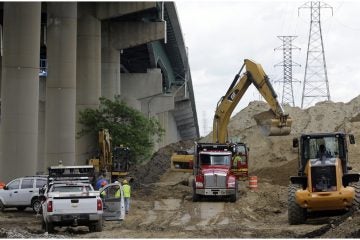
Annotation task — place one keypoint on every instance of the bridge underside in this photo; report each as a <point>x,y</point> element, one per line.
<point>87,50</point>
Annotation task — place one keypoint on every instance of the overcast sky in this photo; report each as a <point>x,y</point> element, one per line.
<point>221,34</point>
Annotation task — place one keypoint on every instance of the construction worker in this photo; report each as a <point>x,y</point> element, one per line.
<point>127,193</point>
<point>237,159</point>
<point>117,193</point>
<point>99,182</point>
<point>103,184</point>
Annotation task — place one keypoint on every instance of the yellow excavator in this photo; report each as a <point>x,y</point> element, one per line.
<point>274,122</point>
<point>112,162</point>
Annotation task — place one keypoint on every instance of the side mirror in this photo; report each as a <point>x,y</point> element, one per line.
<point>295,143</point>
<point>349,168</point>
<point>352,139</point>
<point>248,149</point>
<point>6,188</point>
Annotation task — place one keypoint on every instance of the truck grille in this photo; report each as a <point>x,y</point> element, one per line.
<point>323,178</point>
<point>214,180</point>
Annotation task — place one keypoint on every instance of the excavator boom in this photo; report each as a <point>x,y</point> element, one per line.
<point>274,122</point>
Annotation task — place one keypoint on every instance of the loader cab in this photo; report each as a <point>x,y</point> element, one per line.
<point>323,146</point>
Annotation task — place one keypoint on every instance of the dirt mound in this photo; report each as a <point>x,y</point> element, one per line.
<point>273,157</point>
<point>151,171</point>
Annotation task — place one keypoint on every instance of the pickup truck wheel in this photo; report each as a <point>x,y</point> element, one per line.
<point>36,206</point>
<point>21,208</point>
<point>49,227</point>
<point>2,207</point>
<point>96,227</point>
<point>43,225</point>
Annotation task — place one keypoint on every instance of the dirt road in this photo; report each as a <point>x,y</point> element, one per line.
<point>165,210</point>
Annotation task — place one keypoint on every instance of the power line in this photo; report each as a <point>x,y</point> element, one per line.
<point>316,84</point>
<point>287,64</point>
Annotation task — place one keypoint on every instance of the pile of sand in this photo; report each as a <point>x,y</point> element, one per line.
<point>274,157</point>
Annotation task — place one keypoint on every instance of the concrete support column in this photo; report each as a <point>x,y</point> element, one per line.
<point>20,89</point>
<point>88,75</point>
<point>110,64</point>
<point>61,83</point>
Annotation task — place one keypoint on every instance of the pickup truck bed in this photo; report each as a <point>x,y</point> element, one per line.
<point>75,207</point>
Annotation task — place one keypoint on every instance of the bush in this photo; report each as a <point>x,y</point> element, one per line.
<point>127,126</point>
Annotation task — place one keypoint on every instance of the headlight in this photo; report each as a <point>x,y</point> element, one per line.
<point>199,184</point>
<point>231,182</point>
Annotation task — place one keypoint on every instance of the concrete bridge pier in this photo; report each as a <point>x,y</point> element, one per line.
<point>20,89</point>
<point>61,83</point>
<point>88,74</point>
<point>110,64</point>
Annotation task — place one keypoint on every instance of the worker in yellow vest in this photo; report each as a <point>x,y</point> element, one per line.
<point>127,193</point>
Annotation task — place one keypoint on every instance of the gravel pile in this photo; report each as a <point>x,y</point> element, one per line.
<point>21,233</point>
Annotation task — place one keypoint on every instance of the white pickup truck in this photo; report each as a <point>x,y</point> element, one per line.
<point>72,204</point>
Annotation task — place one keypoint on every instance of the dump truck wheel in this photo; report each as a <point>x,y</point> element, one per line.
<point>356,201</point>
<point>296,214</point>
<point>234,197</point>
<point>195,197</point>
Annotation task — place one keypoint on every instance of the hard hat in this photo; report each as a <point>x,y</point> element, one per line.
<point>125,181</point>
<point>103,183</point>
<point>116,182</point>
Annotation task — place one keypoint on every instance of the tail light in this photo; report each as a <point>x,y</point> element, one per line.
<point>50,206</point>
<point>99,205</point>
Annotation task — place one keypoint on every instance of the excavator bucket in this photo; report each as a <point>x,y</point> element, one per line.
<point>273,126</point>
<point>182,161</point>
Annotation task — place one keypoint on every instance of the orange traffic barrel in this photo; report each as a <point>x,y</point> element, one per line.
<point>253,183</point>
<point>2,185</point>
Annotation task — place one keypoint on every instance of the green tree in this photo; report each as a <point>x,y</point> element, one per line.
<point>127,126</point>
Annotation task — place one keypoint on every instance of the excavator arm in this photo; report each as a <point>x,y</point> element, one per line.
<point>275,122</point>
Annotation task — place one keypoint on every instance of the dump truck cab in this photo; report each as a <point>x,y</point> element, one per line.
<point>324,181</point>
<point>212,171</point>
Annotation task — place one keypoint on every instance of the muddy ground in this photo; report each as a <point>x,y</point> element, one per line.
<point>165,210</point>
<point>162,204</point>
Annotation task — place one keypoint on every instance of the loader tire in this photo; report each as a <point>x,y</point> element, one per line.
<point>296,214</point>
<point>356,202</point>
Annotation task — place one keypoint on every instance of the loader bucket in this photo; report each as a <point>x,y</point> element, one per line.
<point>272,125</point>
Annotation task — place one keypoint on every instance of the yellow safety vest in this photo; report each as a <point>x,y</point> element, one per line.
<point>127,190</point>
<point>117,193</point>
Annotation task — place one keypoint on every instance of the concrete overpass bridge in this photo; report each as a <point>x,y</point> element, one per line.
<point>86,50</point>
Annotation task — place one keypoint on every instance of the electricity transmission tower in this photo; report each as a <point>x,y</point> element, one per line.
<point>316,84</point>
<point>287,64</point>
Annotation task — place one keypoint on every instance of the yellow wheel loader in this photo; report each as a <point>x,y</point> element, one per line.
<point>324,181</point>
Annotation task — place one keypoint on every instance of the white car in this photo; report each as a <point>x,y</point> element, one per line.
<point>22,193</point>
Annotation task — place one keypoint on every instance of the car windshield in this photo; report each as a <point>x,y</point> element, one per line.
<point>207,159</point>
<point>71,189</point>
